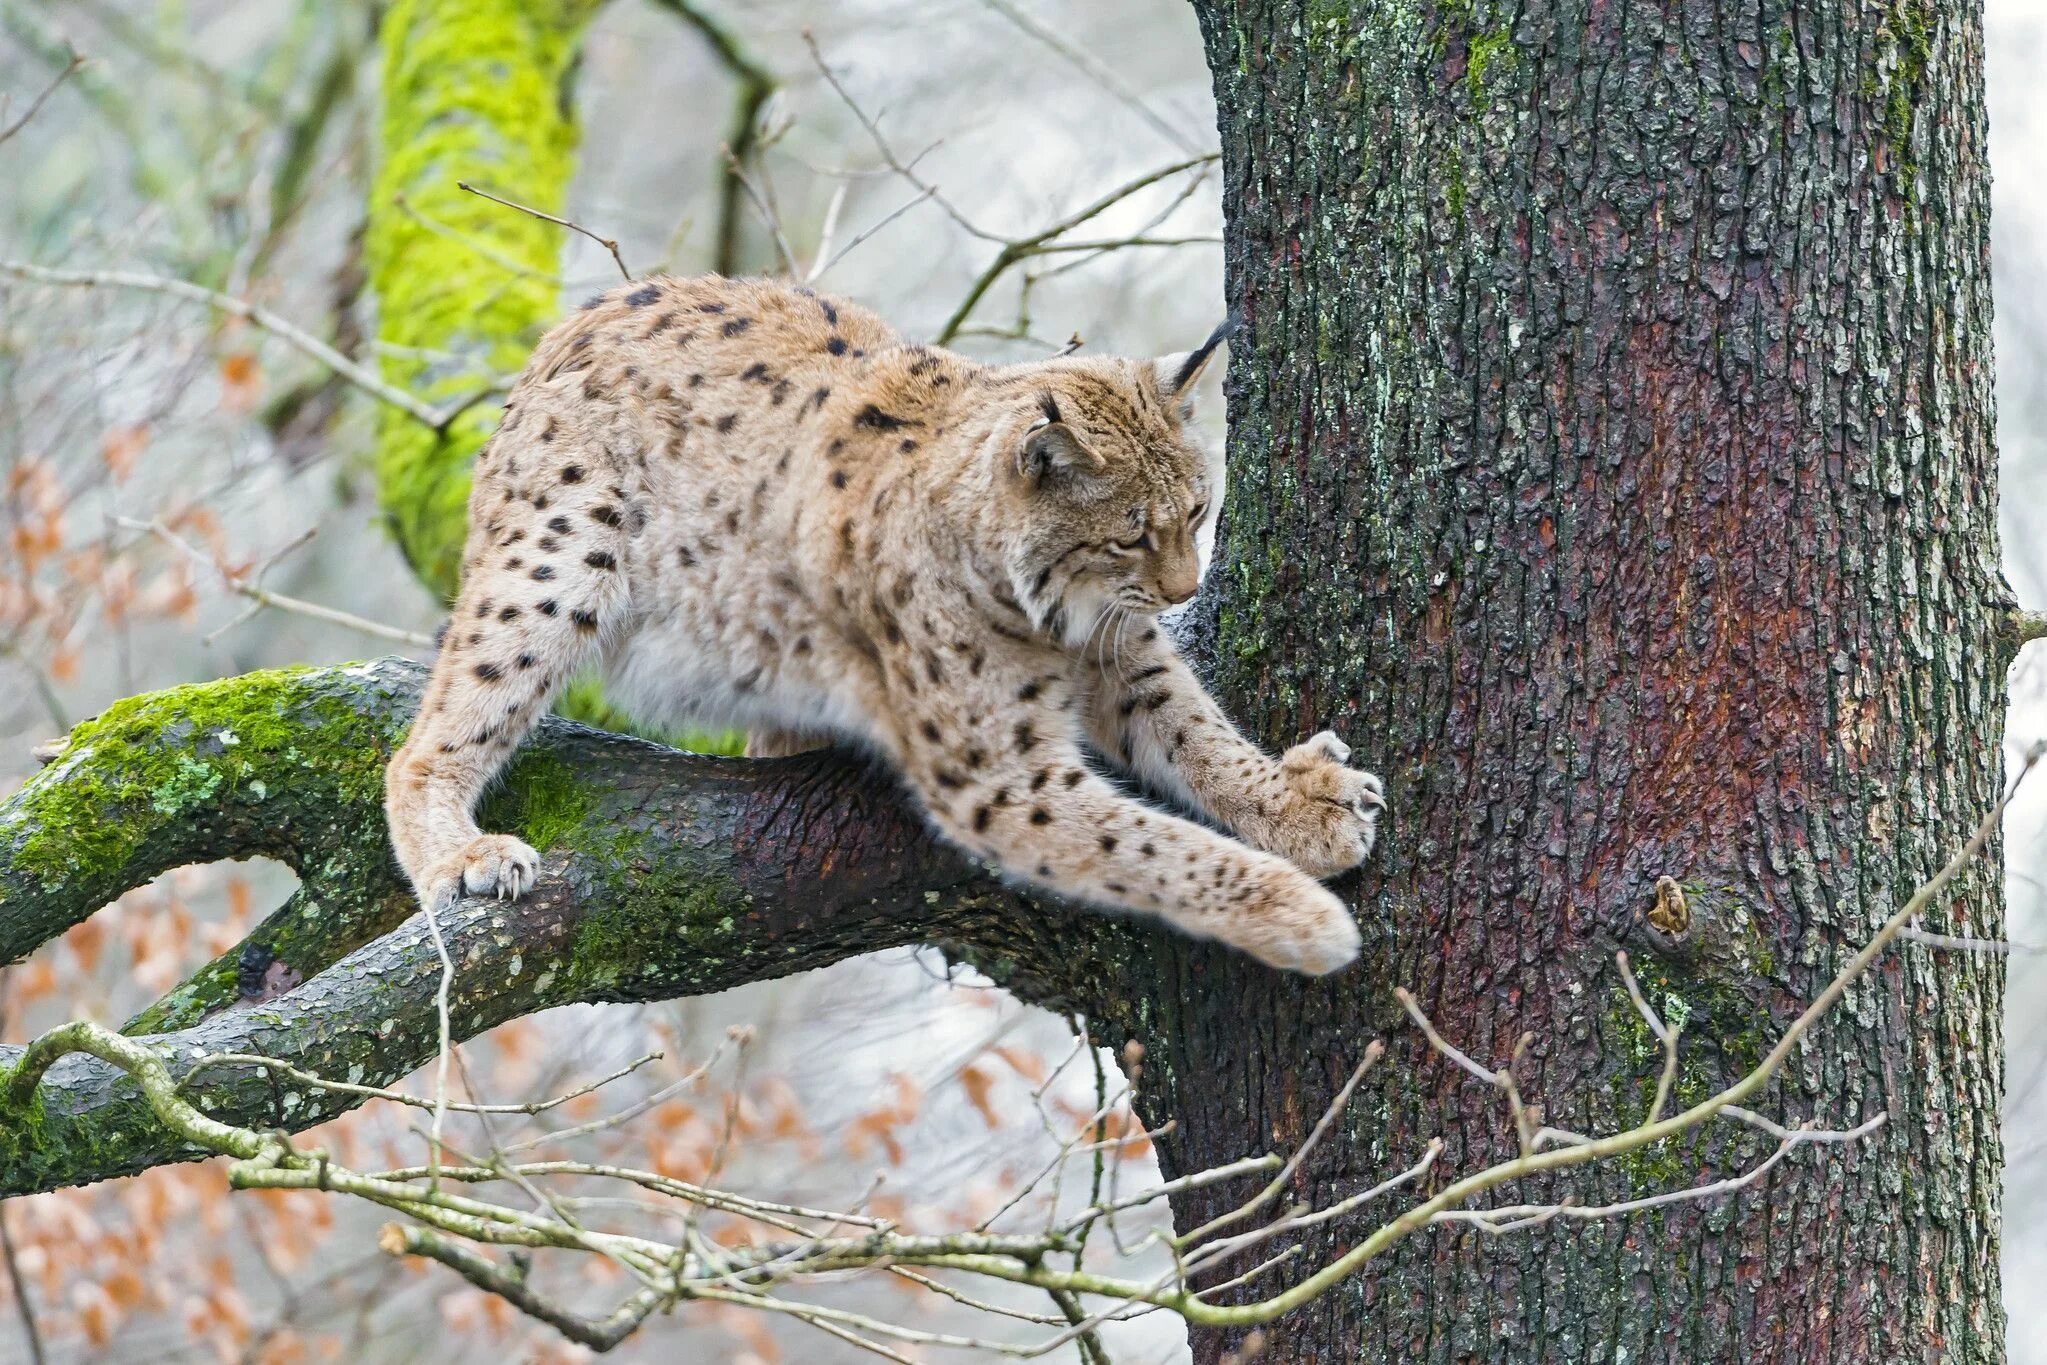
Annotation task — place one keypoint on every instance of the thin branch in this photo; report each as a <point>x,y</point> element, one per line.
<point>764,205</point>
<point>734,1037</point>
<point>23,1305</point>
<point>864,234</point>
<point>254,314</point>
<point>483,249</point>
<point>1664,1034</point>
<point>1042,242</point>
<point>599,1334</point>
<point>607,243</point>
<point>399,1096</point>
<point>251,588</point>
<point>1096,70</point>
<point>1373,1052</point>
<point>756,86</point>
<point>1517,1216</point>
<point>820,258</point>
<point>35,106</point>
<point>1966,944</point>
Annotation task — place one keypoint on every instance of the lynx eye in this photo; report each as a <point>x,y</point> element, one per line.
<point>1131,547</point>
<point>1194,517</point>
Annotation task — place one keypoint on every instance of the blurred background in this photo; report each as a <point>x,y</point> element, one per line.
<point>156,456</point>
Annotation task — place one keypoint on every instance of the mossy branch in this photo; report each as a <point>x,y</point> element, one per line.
<point>664,875</point>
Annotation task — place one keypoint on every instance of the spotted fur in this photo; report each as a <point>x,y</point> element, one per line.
<point>752,506</point>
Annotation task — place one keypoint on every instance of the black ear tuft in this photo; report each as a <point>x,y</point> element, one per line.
<point>1049,406</point>
<point>1196,360</point>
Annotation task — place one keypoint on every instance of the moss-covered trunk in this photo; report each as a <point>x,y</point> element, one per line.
<point>475,91</point>
<point>1612,463</point>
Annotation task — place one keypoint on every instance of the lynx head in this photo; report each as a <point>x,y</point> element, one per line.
<point>1111,500</point>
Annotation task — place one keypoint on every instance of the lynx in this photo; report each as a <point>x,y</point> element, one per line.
<point>753,506</point>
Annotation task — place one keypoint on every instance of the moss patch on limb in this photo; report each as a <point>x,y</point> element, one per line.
<point>233,768</point>
<point>665,876</point>
<point>472,90</point>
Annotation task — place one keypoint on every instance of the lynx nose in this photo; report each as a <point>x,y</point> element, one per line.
<point>1178,590</point>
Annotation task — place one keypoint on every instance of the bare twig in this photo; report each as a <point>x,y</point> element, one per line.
<point>254,314</point>
<point>1373,1052</point>
<point>481,248</point>
<point>764,205</point>
<point>399,1096</point>
<point>599,1334</point>
<point>249,585</point>
<point>826,263</point>
<point>23,1305</point>
<point>1097,71</point>
<point>1664,1034</point>
<point>607,243</point>
<point>1043,242</point>
<point>1965,944</point>
<point>35,105</point>
<point>756,86</point>
<point>733,1038</point>
<point>1517,1216</point>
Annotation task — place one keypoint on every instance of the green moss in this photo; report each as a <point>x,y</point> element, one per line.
<point>1455,190</point>
<point>652,905</point>
<point>156,758</point>
<point>1725,1034</point>
<point>472,90</point>
<point>1487,52</point>
<point>583,700</point>
<point>1904,50</point>
<point>539,799</point>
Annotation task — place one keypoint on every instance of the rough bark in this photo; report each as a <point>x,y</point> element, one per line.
<point>665,875</point>
<point>1612,462</point>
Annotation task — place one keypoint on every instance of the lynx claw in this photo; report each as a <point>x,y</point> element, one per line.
<point>499,866</point>
<point>1333,810</point>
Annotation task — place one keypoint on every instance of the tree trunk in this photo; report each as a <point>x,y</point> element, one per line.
<point>472,90</point>
<point>1612,463</point>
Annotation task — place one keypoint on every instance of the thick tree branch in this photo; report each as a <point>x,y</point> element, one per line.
<point>665,875</point>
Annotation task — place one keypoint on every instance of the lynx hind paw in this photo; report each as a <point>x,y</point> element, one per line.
<point>493,865</point>
<point>1336,808</point>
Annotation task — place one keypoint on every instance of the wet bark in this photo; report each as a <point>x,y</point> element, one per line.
<point>1612,463</point>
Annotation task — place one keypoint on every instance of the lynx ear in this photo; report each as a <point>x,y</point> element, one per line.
<point>1053,449</point>
<point>1177,373</point>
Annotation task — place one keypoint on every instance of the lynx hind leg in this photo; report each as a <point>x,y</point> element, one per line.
<point>544,583</point>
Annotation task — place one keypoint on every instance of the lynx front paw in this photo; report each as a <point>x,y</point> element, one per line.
<point>495,865</point>
<point>1301,928</point>
<point>1329,815</point>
